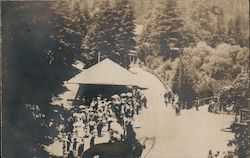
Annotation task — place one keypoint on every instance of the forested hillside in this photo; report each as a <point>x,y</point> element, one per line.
<point>197,46</point>
<point>231,9</point>
<point>201,49</point>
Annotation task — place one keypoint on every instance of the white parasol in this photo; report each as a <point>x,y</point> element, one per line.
<point>82,106</point>
<point>116,96</point>
<point>117,102</point>
<point>129,94</point>
<point>123,95</point>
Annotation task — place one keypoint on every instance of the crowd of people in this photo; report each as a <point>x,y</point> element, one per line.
<point>173,99</point>
<point>214,105</point>
<point>111,116</point>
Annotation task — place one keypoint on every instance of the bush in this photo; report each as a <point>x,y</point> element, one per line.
<point>206,70</point>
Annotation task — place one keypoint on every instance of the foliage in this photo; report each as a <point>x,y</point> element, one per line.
<point>241,140</point>
<point>209,68</point>
<point>184,82</point>
<point>125,35</point>
<point>235,33</point>
<point>31,78</point>
<point>237,94</point>
<point>163,27</point>
<point>41,41</point>
<point>70,23</point>
<point>111,33</point>
<point>145,50</point>
<point>210,21</point>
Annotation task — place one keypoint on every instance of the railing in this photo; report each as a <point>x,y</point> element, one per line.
<point>202,101</point>
<point>159,77</point>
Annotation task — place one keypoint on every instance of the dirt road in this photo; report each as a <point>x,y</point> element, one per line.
<point>190,135</point>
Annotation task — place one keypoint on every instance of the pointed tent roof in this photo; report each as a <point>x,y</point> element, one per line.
<point>105,72</point>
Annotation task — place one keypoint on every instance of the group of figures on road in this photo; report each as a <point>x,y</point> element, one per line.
<point>215,105</point>
<point>108,120</point>
<point>173,99</point>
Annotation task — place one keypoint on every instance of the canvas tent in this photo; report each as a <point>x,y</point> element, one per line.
<point>105,72</point>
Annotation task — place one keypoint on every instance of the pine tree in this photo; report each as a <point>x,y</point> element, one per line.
<point>125,30</point>
<point>210,21</point>
<point>100,40</point>
<point>219,34</point>
<point>184,83</point>
<point>178,80</point>
<point>111,34</point>
<point>71,20</point>
<point>234,31</point>
<point>163,26</point>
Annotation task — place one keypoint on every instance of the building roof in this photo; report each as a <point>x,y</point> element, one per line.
<point>105,72</point>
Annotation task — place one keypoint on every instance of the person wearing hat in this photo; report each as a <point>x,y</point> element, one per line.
<point>117,111</point>
<point>95,107</point>
<point>99,128</point>
<point>109,122</point>
<point>144,101</point>
<point>127,112</point>
<point>64,146</point>
<point>173,100</point>
<point>177,108</point>
<point>74,144</point>
<point>92,140</point>
<point>93,102</point>
<point>132,113</point>
<point>137,108</point>
<point>197,104</point>
<point>123,109</point>
<point>68,142</point>
<point>100,114</point>
<point>210,106</point>
<point>91,125</point>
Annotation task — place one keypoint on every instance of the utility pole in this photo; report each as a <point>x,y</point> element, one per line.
<point>99,57</point>
<point>221,112</point>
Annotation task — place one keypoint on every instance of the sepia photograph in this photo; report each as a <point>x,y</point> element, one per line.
<point>125,79</point>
